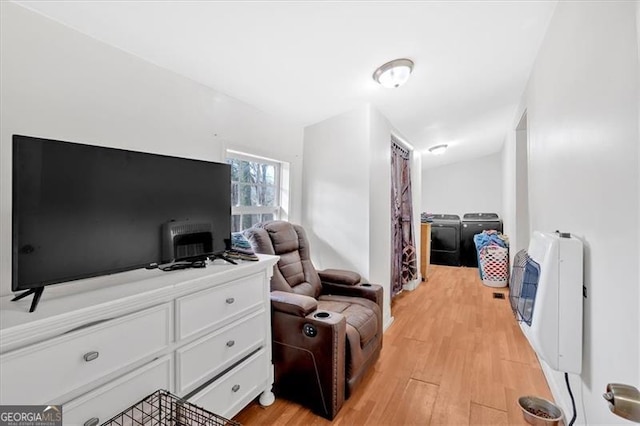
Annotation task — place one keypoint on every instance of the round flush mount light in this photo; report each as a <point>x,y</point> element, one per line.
<point>438,149</point>
<point>394,73</point>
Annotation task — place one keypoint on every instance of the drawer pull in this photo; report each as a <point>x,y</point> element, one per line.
<point>231,343</point>
<point>90,356</point>
<point>230,300</point>
<point>235,388</point>
<point>92,421</point>
<point>87,325</point>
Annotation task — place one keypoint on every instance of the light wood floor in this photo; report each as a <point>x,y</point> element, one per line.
<point>454,355</point>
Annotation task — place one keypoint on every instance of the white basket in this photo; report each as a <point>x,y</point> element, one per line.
<point>494,263</point>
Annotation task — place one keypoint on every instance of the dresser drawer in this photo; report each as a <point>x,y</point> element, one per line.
<point>202,359</point>
<point>111,399</point>
<point>42,373</point>
<point>234,390</point>
<point>211,308</point>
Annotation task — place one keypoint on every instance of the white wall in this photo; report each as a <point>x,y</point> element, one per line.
<point>582,106</point>
<point>515,200</point>
<point>464,187</point>
<point>509,192</point>
<point>379,176</point>
<point>347,195</point>
<point>638,43</point>
<point>335,197</point>
<point>57,83</point>
<point>523,222</point>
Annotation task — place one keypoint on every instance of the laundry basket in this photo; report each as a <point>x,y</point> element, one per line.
<point>494,265</point>
<point>163,408</point>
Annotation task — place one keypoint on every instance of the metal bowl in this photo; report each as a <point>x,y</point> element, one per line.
<point>539,405</point>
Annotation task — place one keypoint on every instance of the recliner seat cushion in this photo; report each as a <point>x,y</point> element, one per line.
<point>361,314</point>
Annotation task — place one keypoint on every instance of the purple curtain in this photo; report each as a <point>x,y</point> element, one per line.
<point>403,256</point>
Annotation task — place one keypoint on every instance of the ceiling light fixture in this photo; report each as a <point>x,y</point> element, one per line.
<point>438,149</point>
<point>394,73</point>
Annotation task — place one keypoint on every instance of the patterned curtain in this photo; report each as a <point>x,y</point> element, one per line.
<point>403,260</point>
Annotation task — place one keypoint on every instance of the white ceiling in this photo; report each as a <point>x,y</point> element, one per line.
<point>306,61</point>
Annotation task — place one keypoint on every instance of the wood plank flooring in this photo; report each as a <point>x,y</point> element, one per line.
<point>453,356</point>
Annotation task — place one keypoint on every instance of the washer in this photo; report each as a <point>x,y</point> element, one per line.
<point>445,239</point>
<point>472,224</point>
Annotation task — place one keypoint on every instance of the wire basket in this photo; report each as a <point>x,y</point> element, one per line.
<point>164,408</point>
<point>524,286</point>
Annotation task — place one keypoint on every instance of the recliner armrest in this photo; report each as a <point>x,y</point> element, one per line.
<point>292,303</point>
<point>340,276</point>
<point>312,351</point>
<point>372,292</point>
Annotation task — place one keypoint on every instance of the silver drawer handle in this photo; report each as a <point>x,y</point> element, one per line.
<point>231,343</point>
<point>230,300</point>
<point>235,388</point>
<point>92,421</point>
<point>90,356</point>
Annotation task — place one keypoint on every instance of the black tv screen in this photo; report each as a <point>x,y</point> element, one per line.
<point>81,211</point>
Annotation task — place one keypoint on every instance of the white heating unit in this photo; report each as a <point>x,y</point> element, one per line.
<point>546,295</point>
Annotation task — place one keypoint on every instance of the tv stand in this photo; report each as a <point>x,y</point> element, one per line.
<point>99,345</point>
<point>37,293</point>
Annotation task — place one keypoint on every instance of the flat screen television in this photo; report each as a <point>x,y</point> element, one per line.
<point>81,211</point>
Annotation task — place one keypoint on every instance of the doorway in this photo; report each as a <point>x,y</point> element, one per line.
<point>523,226</point>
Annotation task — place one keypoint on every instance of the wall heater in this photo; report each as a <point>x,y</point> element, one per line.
<point>546,293</point>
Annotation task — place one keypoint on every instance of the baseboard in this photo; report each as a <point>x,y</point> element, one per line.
<point>412,285</point>
<point>387,324</point>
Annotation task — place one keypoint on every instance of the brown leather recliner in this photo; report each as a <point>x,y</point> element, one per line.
<point>327,325</point>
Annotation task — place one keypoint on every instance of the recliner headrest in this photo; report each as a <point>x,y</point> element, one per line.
<point>283,236</point>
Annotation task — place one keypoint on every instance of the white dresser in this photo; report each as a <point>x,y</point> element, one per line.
<point>99,345</point>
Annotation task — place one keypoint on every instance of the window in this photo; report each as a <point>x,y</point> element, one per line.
<point>255,190</point>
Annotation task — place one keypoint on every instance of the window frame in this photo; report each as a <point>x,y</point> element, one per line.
<point>277,209</point>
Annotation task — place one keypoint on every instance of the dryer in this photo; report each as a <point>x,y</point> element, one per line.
<point>445,239</point>
<point>472,224</point>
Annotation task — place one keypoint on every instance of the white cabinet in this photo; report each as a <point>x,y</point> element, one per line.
<point>216,351</point>
<point>46,370</point>
<point>235,389</point>
<point>100,405</point>
<point>98,346</point>
<point>210,308</point>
